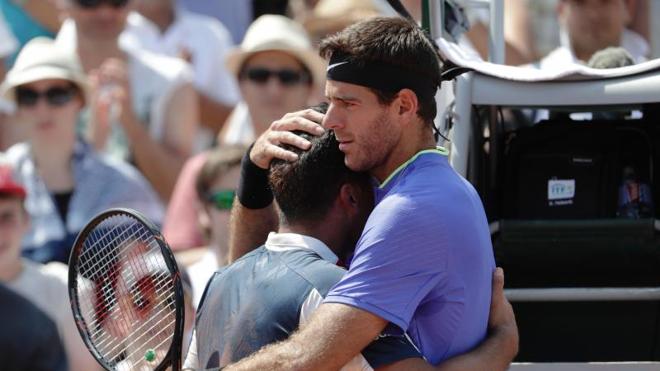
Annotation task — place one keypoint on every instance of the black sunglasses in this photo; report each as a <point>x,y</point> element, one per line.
<point>96,3</point>
<point>287,77</point>
<point>55,96</point>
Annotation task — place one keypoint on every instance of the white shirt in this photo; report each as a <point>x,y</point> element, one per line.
<point>200,272</point>
<point>238,128</point>
<point>204,37</point>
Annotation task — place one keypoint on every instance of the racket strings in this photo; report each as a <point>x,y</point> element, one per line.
<point>126,292</point>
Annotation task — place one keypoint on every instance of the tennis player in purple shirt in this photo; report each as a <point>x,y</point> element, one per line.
<point>424,262</point>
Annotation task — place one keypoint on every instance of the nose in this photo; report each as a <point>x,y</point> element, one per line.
<point>333,119</point>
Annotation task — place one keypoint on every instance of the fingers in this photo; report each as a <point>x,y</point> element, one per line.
<point>281,132</point>
<point>307,120</point>
<point>498,281</point>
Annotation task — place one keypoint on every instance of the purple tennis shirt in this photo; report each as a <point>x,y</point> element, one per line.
<point>425,261</point>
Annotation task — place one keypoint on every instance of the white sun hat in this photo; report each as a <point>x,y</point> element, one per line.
<point>42,59</point>
<point>277,33</point>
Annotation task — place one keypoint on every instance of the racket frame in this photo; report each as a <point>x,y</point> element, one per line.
<point>173,356</point>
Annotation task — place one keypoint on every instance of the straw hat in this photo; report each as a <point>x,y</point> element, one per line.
<point>277,33</point>
<point>42,59</point>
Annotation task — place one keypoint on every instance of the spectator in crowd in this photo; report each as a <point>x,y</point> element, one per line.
<point>43,285</point>
<point>67,182</point>
<point>207,185</point>
<point>277,71</point>
<point>162,27</point>
<point>28,19</point>
<point>181,225</point>
<point>143,106</point>
<point>215,187</point>
<point>29,339</point>
<point>588,26</point>
<point>424,262</point>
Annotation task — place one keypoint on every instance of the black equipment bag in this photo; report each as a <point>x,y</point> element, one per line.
<point>571,170</point>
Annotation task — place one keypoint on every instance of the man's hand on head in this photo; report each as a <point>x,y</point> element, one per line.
<point>267,146</point>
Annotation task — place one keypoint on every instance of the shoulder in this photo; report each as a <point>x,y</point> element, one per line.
<point>318,273</point>
<point>17,152</point>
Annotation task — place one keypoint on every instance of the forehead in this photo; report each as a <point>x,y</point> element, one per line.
<point>10,204</point>
<point>45,84</point>
<point>227,180</point>
<point>345,91</point>
<point>273,59</point>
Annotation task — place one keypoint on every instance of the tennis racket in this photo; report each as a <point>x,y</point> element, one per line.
<point>126,293</point>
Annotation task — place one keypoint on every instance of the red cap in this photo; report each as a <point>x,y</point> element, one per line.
<point>9,185</point>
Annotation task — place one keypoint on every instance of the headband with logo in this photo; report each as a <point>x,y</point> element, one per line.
<point>378,75</point>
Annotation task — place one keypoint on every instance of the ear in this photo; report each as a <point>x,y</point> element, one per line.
<point>348,199</point>
<point>407,104</point>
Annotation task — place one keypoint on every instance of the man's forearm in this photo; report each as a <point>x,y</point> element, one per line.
<point>248,228</point>
<point>495,353</point>
<point>158,164</point>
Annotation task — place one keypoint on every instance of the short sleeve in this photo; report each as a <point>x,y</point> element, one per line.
<point>399,258</point>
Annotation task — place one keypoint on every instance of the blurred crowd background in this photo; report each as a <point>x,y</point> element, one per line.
<point>150,104</point>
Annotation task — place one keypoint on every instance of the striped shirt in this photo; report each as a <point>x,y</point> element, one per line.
<point>99,184</point>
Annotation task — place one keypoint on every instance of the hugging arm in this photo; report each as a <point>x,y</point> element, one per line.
<point>324,344</point>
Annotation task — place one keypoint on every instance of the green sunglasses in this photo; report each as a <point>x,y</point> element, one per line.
<point>222,199</point>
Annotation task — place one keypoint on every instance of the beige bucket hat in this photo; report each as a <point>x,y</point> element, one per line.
<point>42,59</point>
<point>277,33</point>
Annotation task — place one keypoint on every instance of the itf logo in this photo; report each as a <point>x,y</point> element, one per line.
<point>561,190</point>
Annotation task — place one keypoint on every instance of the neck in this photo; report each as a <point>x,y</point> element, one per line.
<point>221,249</point>
<point>10,268</point>
<point>323,232</point>
<point>408,146</point>
<point>162,16</point>
<point>54,168</point>
<point>93,53</point>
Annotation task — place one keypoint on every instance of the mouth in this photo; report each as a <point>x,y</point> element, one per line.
<point>343,145</point>
<point>46,125</point>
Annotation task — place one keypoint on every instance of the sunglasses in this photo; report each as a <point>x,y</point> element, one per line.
<point>96,3</point>
<point>56,96</point>
<point>286,77</point>
<point>222,199</point>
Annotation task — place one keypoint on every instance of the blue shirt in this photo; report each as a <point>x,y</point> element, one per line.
<point>99,184</point>
<point>424,261</point>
